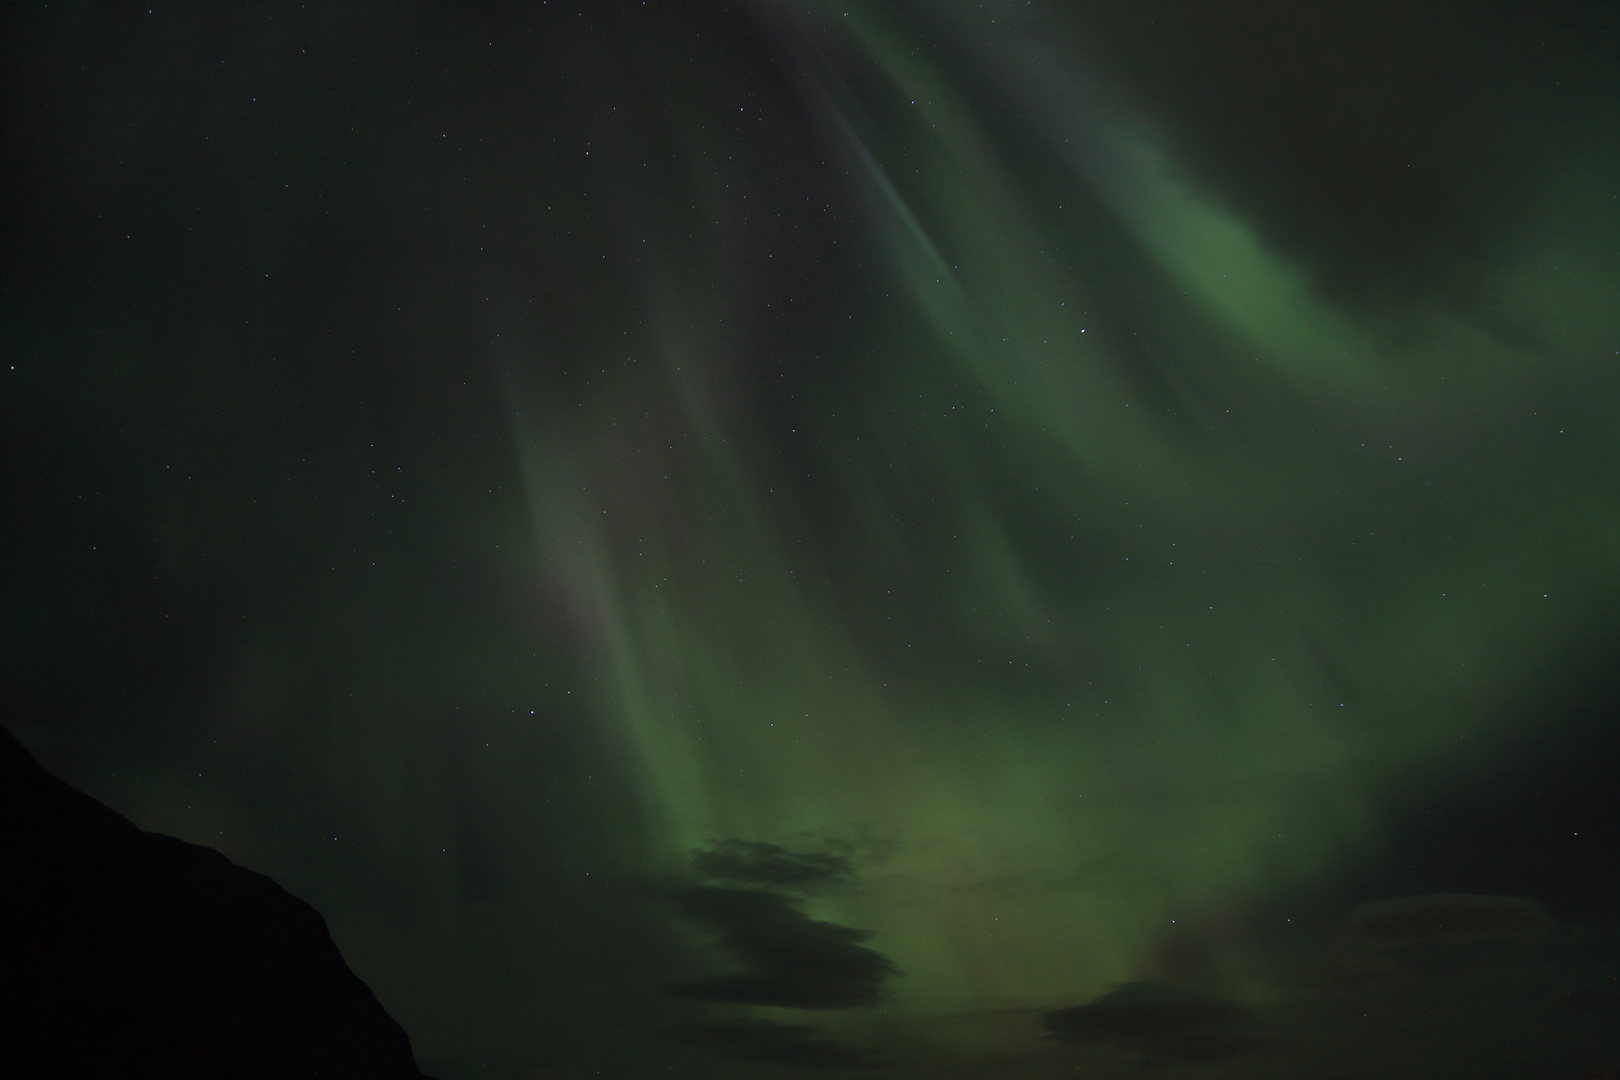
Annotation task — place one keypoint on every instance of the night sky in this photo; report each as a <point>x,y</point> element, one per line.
<point>723,539</point>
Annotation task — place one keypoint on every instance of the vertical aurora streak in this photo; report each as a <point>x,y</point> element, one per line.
<point>1142,674</point>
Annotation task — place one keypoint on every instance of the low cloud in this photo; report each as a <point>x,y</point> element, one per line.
<point>1444,917</point>
<point>769,866</point>
<point>789,959</point>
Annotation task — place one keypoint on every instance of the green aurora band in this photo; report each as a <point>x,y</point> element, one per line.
<point>1068,619</point>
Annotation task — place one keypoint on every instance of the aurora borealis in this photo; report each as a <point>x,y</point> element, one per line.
<point>710,538</point>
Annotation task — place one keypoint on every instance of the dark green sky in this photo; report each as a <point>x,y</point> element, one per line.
<point>1060,487</point>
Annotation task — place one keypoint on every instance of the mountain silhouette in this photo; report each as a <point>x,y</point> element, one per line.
<point>131,954</point>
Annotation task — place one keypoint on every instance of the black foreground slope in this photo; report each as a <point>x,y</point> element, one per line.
<point>130,954</point>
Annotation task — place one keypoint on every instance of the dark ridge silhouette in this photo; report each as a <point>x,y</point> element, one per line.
<point>127,954</point>
<point>1159,1019</point>
<point>796,1046</point>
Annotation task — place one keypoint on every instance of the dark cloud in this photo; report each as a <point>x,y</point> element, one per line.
<point>1161,1019</point>
<point>1444,917</point>
<point>1390,147</point>
<point>750,863</point>
<point>793,1045</point>
<point>790,960</point>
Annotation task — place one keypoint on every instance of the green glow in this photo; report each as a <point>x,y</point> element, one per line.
<point>1182,684</point>
<point>472,460</point>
